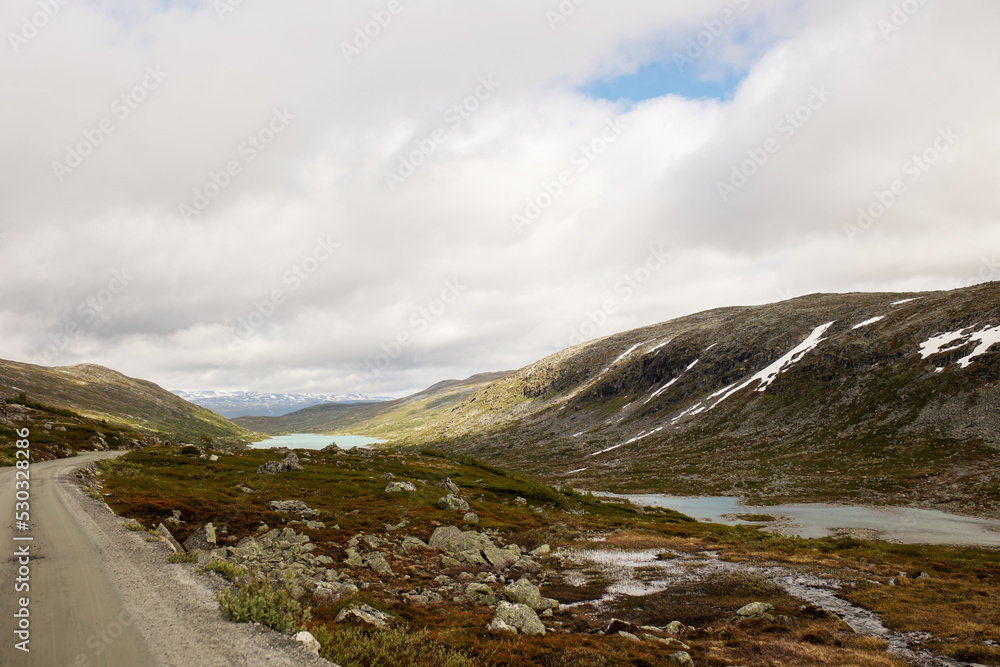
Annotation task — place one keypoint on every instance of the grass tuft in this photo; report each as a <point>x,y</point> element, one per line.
<point>265,604</point>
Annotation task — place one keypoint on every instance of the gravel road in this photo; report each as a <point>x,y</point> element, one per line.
<point>102,596</point>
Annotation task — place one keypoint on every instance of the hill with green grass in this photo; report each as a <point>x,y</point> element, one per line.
<point>100,394</point>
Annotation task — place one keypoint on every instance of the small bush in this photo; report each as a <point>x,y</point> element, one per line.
<point>263,603</point>
<point>225,568</point>
<point>182,557</point>
<point>136,527</point>
<point>190,449</point>
<point>351,647</point>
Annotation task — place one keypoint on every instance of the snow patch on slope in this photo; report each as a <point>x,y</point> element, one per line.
<point>953,340</point>
<point>766,376</point>
<point>868,322</point>
<point>671,383</point>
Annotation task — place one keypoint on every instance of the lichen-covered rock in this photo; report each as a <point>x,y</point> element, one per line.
<point>681,658</point>
<point>501,559</point>
<point>453,503</point>
<point>449,486</point>
<point>481,593</point>
<point>202,539</point>
<point>543,550</point>
<point>309,642</point>
<point>410,543</point>
<point>523,591</point>
<point>290,463</point>
<point>400,487</point>
<point>365,614</point>
<point>525,566</point>
<point>517,618</point>
<point>471,517</point>
<point>676,628</point>
<point>293,507</point>
<point>755,610</point>
<point>377,562</point>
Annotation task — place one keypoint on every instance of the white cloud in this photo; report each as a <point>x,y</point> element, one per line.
<point>324,175</point>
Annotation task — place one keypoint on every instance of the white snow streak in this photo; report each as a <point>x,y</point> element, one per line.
<point>766,376</point>
<point>868,322</point>
<point>899,303</point>
<point>953,340</point>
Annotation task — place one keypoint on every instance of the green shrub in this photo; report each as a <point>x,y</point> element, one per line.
<point>265,604</point>
<point>190,449</point>
<point>351,647</point>
<point>225,568</point>
<point>182,557</point>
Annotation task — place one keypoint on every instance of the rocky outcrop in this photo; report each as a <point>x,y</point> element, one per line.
<point>756,610</point>
<point>291,462</point>
<point>453,503</point>
<point>400,487</point>
<point>293,507</point>
<point>449,486</point>
<point>516,618</point>
<point>202,539</point>
<point>365,614</point>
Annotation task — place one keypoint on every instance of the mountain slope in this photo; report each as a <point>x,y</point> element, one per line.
<point>100,393</point>
<point>232,404</point>
<point>415,416</point>
<point>821,397</point>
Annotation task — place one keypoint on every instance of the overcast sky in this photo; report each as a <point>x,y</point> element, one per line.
<point>259,195</point>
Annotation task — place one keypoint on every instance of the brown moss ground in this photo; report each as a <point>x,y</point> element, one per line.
<point>149,484</point>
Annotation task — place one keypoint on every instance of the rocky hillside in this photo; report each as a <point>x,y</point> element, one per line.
<point>864,397</point>
<point>232,404</point>
<point>412,417</point>
<point>101,394</point>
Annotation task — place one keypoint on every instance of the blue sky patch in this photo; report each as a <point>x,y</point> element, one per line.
<point>661,78</point>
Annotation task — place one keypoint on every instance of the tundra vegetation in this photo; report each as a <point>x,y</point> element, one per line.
<point>330,549</point>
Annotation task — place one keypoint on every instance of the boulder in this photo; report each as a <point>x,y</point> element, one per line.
<point>526,566</point>
<point>501,559</point>
<point>481,593</point>
<point>308,642</point>
<point>453,503</point>
<point>755,610</point>
<point>377,562</point>
<point>293,507</point>
<point>617,626</point>
<point>410,543</point>
<point>541,551</point>
<point>400,487</point>
<point>471,517</point>
<point>523,592</point>
<point>515,618</point>
<point>165,535</point>
<point>676,628</point>
<point>290,463</point>
<point>365,614</point>
<point>202,539</point>
<point>681,658</point>
<point>449,486</point>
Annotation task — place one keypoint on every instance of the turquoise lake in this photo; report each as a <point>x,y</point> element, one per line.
<point>314,441</point>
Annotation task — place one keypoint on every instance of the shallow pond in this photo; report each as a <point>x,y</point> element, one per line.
<point>315,441</point>
<point>896,524</point>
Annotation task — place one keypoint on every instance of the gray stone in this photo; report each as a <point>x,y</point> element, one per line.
<point>755,610</point>
<point>481,593</point>
<point>293,507</point>
<point>524,592</point>
<point>449,486</point>
<point>500,559</point>
<point>377,562</point>
<point>520,502</point>
<point>541,551</point>
<point>676,628</point>
<point>165,535</point>
<point>290,463</point>
<point>517,616</point>
<point>526,566</point>
<point>365,614</point>
<point>453,503</point>
<point>308,641</point>
<point>472,557</point>
<point>353,558</point>
<point>411,543</point>
<point>213,458</point>
<point>471,517</point>
<point>681,658</point>
<point>400,487</point>
<point>202,539</point>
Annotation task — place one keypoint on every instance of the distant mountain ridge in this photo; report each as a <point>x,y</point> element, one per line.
<point>232,404</point>
<point>411,416</point>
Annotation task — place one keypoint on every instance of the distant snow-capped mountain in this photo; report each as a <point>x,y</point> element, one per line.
<point>232,404</point>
